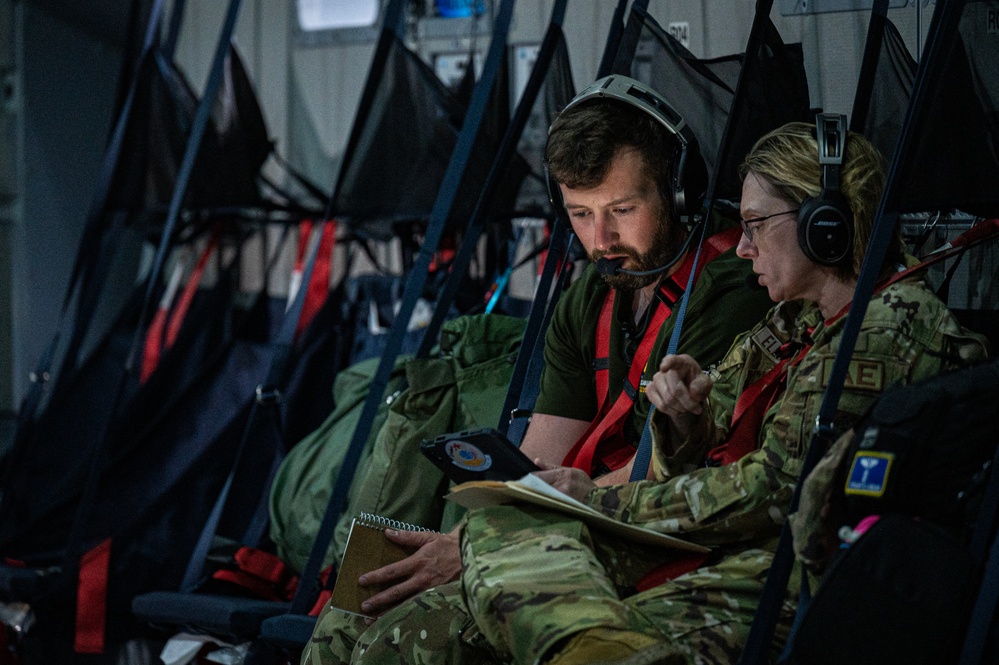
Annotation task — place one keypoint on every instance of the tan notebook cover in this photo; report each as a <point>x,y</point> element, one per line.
<point>367,549</point>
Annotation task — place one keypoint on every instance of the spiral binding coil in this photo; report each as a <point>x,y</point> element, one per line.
<point>379,522</point>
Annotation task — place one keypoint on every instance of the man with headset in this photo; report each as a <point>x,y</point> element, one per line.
<point>627,171</point>
<point>539,587</point>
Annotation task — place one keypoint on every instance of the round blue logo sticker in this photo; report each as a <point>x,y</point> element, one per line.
<point>467,456</point>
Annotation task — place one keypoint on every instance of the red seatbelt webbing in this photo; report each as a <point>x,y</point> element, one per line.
<point>319,282</point>
<point>154,335</point>
<point>165,327</point>
<point>610,419</point>
<point>91,599</point>
<point>187,297</point>
<point>261,572</point>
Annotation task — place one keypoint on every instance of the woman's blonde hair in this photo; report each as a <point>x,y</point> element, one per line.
<point>788,160</point>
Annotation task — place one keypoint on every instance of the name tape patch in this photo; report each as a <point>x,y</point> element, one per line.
<point>860,374</point>
<point>869,474</point>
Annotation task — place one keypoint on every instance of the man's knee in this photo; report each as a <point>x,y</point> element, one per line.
<point>432,628</point>
<point>333,638</point>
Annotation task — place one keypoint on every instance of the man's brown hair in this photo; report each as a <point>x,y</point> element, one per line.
<point>584,138</point>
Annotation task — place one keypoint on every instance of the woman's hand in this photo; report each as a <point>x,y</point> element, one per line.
<point>566,479</point>
<point>679,389</point>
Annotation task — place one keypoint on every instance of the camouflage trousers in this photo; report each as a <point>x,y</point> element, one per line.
<point>533,579</point>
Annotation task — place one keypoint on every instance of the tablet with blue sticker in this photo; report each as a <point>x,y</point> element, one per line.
<point>482,454</point>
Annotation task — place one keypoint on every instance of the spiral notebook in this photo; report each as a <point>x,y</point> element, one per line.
<point>367,549</point>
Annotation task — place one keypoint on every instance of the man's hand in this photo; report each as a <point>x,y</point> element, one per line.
<point>566,479</point>
<point>679,389</point>
<point>437,560</point>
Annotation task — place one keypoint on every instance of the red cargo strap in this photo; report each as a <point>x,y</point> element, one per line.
<point>91,599</point>
<point>606,430</point>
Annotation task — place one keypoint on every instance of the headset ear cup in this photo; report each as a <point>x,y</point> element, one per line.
<point>690,182</point>
<point>825,230</point>
<point>555,195</point>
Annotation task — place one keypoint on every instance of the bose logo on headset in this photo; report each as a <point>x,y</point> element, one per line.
<point>690,175</point>
<point>825,222</point>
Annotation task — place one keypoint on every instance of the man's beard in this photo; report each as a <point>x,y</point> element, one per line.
<point>665,245</point>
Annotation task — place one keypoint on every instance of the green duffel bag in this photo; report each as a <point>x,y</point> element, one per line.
<point>303,482</point>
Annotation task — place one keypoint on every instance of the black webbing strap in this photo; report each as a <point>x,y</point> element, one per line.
<point>643,456</point>
<point>543,301</point>
<point>173,34</point>
<point>628,44</point>
<point>615,39</point>
<point>941,33</point>
<point>393,29</point>
<point>525,382</point>
<point>500,165</point>
<point>446,197</point>
<point>198,127</point>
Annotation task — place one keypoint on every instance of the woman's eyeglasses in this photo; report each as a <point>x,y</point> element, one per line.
<point>757,221</point>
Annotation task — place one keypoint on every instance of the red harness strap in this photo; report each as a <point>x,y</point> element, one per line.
<point>603,442</point>
<point>750,409</point>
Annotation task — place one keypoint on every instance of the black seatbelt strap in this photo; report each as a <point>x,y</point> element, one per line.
<point>525,384</point>
<point>643,456</point>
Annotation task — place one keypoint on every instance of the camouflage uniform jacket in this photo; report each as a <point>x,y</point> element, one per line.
<point>907,334</point>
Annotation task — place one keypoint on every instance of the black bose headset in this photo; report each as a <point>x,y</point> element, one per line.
<point>825,222</point>
<point>690,175</point>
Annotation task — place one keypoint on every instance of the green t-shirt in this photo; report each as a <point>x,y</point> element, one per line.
<point>720,307</point>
